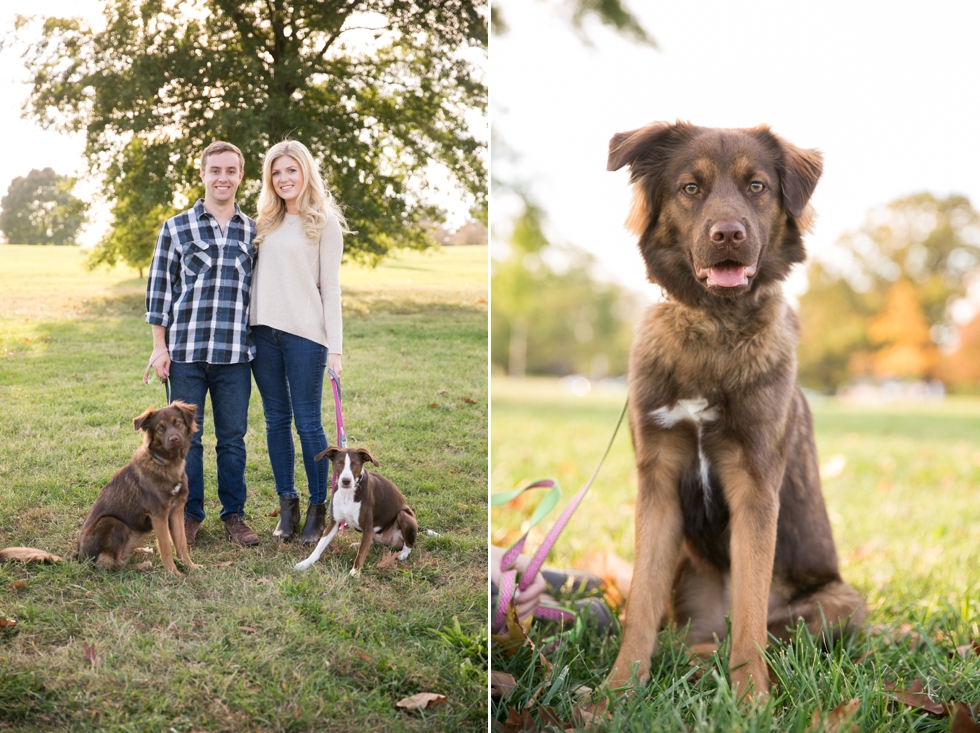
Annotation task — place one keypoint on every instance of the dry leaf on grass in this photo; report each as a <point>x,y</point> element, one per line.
<point>263,581</point>
<point>362,655</point>
<point>144,565</point>
<point>387,559</point>
<point>89,652</point>
<point>442,391</point>
<point>516,722</point>
<point>838,720</point>
<point>18,584</point>
<point>615,572</point>
<point>968,651</point>
<point>467,400</point>
<point>7,622</point>
<point>501,685</point>
<point>915,697</point>
<point>275,513</point>
<point>248,629</point>
<point>421,701</point>
<point>963,720</point>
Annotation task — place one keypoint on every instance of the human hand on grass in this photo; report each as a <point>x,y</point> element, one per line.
<point>527,599</point>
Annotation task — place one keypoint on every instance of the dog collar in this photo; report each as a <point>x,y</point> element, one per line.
<point>157,458</point>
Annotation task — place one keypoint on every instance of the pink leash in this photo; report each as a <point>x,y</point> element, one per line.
<point>508,592</point>
<point>341,435</point>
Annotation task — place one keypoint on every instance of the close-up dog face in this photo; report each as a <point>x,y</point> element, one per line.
<point>347,464</point>
<point>719,212</point>
<point>168,432</point>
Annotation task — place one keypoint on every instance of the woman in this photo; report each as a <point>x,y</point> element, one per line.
<point>296,323</point>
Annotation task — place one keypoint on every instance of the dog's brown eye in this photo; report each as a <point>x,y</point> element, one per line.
<point>757,187</point>
<point>691,189</point>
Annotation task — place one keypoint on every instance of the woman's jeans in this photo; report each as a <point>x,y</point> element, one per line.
<point>289,371</point>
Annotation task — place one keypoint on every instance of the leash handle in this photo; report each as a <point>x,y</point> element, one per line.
<point>538,559</point>
<point>335,383</point>
<point>153,357</point>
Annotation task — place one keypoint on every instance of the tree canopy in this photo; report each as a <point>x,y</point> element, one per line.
<point>39,208</point>
<point>379,90</point>
<point>884,309</point>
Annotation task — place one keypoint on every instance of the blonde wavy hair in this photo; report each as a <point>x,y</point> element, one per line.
<point>316,204</point>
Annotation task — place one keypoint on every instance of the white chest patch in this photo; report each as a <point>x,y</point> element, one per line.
<point>696,410</point>
<point>176,490</point>
<point>343,508</point>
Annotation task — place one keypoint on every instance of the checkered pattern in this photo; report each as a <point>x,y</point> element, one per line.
<point>198,287</point>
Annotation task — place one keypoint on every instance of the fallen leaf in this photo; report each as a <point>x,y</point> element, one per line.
<point>421,701</point>
<point>362,655</point>
<point>516,722</point>
<point>263,581</point>
<point>433,404</point>
<point>248,629</point>
<point>502,684</point>
<point>387,559</point>
<point>615,572</point>
<point>467,400</point>
<point>89,652</point>
<point>275,513</point>
<point>587,715</point>
<point>18,584</point>
<point>838,720</point>
<point>7,622</point>
<point>481,300</point>
<point>963,720</point>
<point>442,391</point>
<point>144,565</point>
<point>516,636</point>
<point>914,697</point>
<point>969,650</point>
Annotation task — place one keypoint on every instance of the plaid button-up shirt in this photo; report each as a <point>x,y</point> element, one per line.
<point>198,287</point>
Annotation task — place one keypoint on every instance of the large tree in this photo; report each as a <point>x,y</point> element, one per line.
<point>379,90</point>
<point>39,208</point>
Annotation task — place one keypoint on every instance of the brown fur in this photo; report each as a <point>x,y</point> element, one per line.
<point>382,504</point>
<point>147,494</point>
<point>754,540</point>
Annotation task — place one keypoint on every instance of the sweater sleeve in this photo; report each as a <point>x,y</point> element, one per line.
<point>331,252</point>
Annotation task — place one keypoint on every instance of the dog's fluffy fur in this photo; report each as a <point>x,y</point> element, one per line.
<point>147,494</point>
<point>730,517</point>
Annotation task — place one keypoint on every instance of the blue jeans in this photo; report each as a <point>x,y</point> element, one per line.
<point>289,372</point>
<point>230,386</point>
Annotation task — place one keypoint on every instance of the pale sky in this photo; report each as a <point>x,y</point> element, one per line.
<point>886,90</point>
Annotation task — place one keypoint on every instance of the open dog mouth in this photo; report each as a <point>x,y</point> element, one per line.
<point>726,274</point>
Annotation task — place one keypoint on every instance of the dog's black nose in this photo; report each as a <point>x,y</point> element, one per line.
<point>727,232</point>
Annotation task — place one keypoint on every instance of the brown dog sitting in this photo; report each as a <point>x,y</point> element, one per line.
<point>146,494</point>
<point>368,502</point>
<point>730,518</point>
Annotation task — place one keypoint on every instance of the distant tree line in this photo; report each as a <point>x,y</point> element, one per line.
<point>39,208</point>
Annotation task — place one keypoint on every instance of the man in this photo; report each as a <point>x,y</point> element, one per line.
<point>197,298</point>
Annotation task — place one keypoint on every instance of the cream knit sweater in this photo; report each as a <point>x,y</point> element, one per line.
<point>288,271</point>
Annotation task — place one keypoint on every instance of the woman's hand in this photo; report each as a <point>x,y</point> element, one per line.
<point>333,362</point>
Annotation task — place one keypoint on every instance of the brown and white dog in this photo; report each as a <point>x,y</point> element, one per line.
<point>369,503</point>
<point>730,518</point>
<point>147,494</point>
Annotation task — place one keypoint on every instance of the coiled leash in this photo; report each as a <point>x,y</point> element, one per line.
<point>510,587</point>
<point>146,374</point>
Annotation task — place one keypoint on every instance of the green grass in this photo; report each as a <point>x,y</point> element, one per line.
<point>252,645</point>
<point>905,512</point>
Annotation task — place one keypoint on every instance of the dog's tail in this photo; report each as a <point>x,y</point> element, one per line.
<point>27,554</point>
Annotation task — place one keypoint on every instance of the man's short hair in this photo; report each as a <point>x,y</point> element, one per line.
<point>219,146</point>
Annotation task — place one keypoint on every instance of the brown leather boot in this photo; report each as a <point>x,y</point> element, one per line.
<point>240,531</point>
<point>191,528</point>
<point>316,522</point>
<point>288,519</point>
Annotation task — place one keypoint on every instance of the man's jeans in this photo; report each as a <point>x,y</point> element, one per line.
<point>289,371</point>
<point>230,386</point>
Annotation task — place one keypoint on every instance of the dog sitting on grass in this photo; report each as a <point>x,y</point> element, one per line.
<point>147,494</point>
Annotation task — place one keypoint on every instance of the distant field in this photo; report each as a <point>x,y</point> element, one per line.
<point>903,496</point>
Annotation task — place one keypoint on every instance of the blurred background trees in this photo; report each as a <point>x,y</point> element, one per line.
<point>39,208</point>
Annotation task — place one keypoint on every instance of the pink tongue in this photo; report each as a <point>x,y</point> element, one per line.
<point>727,276</point>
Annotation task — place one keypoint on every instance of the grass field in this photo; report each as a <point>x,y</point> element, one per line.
<point>903,494</point>
<point>247,644</point>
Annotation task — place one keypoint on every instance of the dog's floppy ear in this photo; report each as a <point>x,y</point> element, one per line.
<point>139,423</point>
<point>646,151</point>
<point>189,412</point>
<point>329,453</point>
<point>799,171</point>
<point>366,455</point>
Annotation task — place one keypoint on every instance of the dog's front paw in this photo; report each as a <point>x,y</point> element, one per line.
<point>303,565</point>
<point>404,553</point>
<point>354,572</point>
